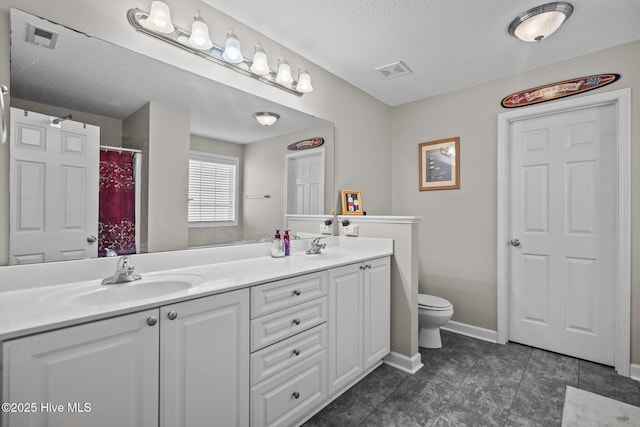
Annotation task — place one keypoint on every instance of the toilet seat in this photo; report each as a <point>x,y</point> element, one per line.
<point>432,302</point>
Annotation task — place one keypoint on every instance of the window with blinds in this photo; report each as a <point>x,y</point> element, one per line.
<point>213,190</point>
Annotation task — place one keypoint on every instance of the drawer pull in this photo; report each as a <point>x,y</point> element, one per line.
<point>151,321</point>
<point>296,352</point>
<point>297,292</point>
<point>296,395</point>
<point>172,315</point>
<point>296,321</point>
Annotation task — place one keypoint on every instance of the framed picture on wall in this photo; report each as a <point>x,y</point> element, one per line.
<point>351,202</point>
<point>439,163</point>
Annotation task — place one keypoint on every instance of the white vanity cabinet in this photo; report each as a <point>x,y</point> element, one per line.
<point>187,362</point>
<point>288,341</point>
<point>359,319</point>
<point>111,365</point>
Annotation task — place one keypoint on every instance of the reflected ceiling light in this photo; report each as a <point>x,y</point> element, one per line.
<point>540,22</point>
<point>160,18</point>
<point>304,82</point>
<point>232,52</point>
<point>260,66</point>
<point>157,24</point>
<point>265,118</point>
<point>284,72</point>
<point>200,38</point>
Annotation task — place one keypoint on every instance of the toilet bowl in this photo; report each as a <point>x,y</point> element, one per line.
<point>433,312</point>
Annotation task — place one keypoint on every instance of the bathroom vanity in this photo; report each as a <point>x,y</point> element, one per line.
<point>253,341</point>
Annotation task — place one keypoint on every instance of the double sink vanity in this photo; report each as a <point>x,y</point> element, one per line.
<point>220,336</point>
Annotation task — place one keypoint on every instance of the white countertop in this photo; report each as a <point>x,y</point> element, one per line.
<point>32,309</point>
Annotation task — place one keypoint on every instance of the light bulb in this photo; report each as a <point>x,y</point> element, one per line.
<point>284,72</point>
<point>260,66</point>
<point>304,82</point>
<point>159,18</point>
<point>200,38</point>
<point>232,52</point>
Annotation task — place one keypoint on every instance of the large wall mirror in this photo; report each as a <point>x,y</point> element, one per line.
<point>91,95</point>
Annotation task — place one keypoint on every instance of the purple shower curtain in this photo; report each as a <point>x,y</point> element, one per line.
<point>117,211</point>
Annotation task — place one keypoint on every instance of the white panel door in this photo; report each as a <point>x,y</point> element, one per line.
<point>563,231</point>
<point>53,189</point>
<point>99,374</point>
<point>205,361</point>
<point>305,183</point>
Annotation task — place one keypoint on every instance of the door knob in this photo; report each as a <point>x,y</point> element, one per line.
<point>92,239</point>
<point>151,321</point>
<point>515,242</point>
<point>172,315</point>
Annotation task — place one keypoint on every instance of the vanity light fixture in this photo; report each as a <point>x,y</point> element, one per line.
<point>200,38</point>
<point>540,22</point>
<point>159,18</point>
<point>157,23</point>
<point>265,118</point>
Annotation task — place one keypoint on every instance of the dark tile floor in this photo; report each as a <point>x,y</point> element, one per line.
<point>469,382</point>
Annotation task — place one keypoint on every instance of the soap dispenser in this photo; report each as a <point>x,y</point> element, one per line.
<point>277,246</point>
<point>286,242</point>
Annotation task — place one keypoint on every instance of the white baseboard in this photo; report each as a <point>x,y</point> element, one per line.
<point>635,372</point>
<point>404,363</point>
<point>471,331</point>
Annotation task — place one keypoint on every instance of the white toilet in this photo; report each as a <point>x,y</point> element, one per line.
<point>433,312</point>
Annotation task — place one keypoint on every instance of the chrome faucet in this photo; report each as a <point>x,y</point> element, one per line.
<point>316,246</point>
<point>124,273</point>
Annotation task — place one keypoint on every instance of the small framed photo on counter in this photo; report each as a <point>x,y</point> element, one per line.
<point>351,202</point>
<point>439,163</point>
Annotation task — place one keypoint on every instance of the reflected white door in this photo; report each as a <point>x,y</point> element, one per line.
<point>305,182</point>
<point>53,189</point>
<point>563,231</point>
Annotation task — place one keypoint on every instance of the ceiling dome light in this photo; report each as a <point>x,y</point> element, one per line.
<point>232,52</point>
<point>304,82</point>
<point>200,38</point>
<point>540,22</point>
<point>160,18</point>
<point>284,72</point>
<point>260,66</point>
<point>266,118</point>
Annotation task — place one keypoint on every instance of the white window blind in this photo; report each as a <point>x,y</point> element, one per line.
<point>212,190</point>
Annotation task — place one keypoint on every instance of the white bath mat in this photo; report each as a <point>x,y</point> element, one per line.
<point>585,409</point>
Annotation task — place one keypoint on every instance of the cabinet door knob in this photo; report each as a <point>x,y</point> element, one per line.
<point>296,352</point>
<point>296,321</point>
<point>362,267</point>
<point>151,320</point>
<point>172,315</point>
<point>297,292</point>
<point>296,395</point>
<point>368,266</point>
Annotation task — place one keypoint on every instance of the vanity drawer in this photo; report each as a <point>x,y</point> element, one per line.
<point>275,327</point>
<point>278,357</point>
<point>286,397</point>
<point>275,296</point>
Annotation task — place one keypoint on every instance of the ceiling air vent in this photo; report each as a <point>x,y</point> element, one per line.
<point>393,70</point>
<point>41,36</point>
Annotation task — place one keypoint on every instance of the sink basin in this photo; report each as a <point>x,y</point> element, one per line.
<point>146,288</point>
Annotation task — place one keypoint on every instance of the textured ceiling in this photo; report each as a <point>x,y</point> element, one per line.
<point>448,44</point>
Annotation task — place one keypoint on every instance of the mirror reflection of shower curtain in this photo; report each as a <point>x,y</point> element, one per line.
<point>117,206</point>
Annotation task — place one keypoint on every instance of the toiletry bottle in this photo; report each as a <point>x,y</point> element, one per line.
<point>277,246</point>
<point>286,242</point>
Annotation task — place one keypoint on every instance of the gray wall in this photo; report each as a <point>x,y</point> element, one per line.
<point>458,233</point>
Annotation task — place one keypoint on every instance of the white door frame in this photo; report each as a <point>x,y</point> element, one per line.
<point>621,99</point>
